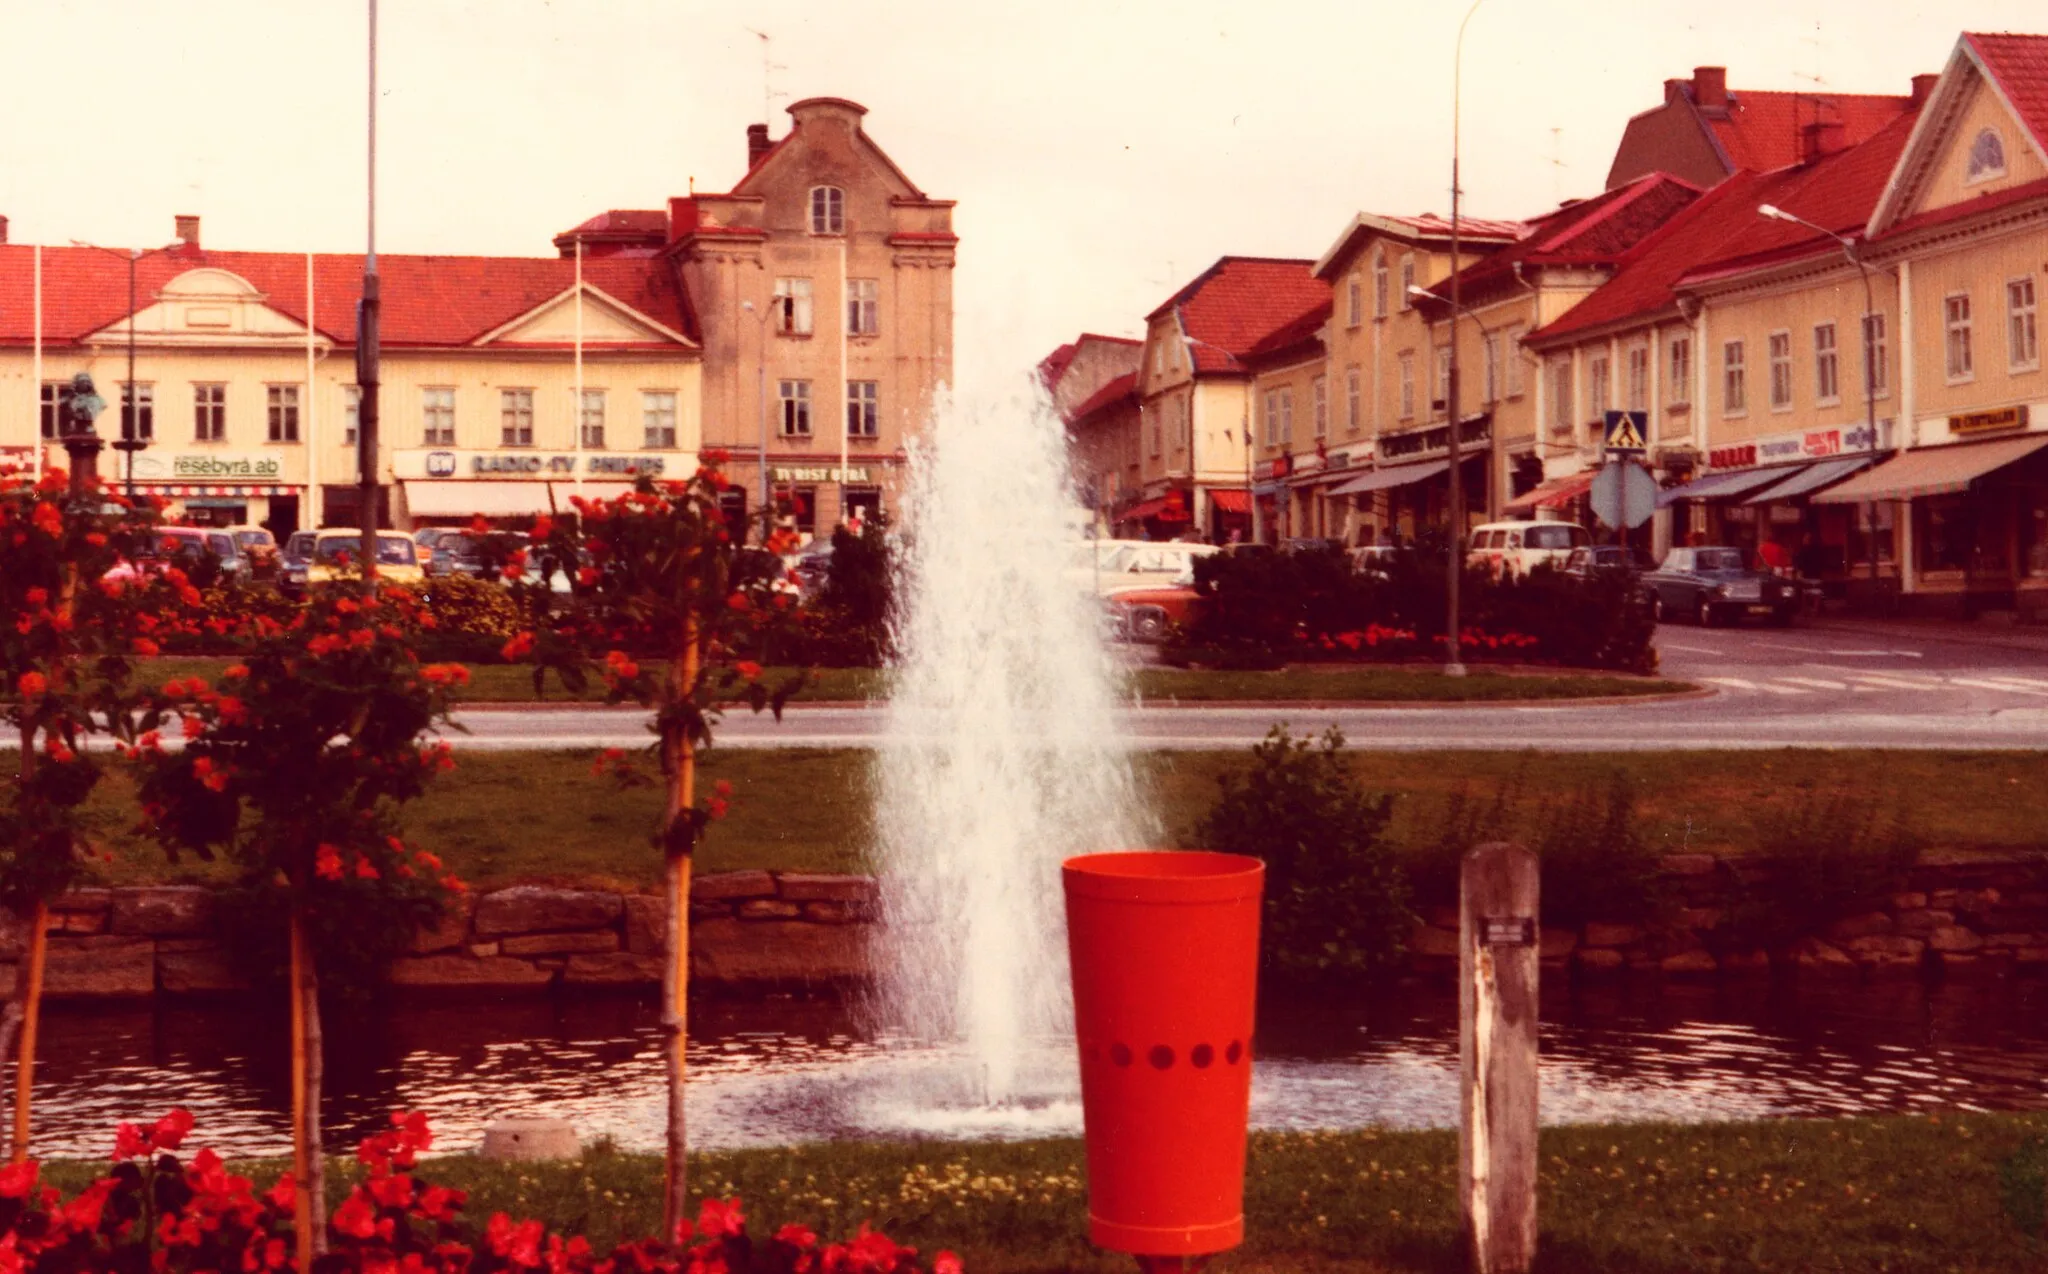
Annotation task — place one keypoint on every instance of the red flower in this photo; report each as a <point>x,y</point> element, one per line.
<point>48,519</point>
<point>797,1237</point>
<point>543,527</point>
<point>327,863</point>
<point>477,525</point>
<point>716,1220</point>
<point>17,1180</point>
<point>947,1263</point>
<point>285,1194</point>
<point>365,869</point>
<point>129,1142</point>
<point>355,1217</point>
<point>32,685</point>
<point>145,647</point>
<point>518,647</point>
<point>170,1131</point>
<point>737,601</point>
<point>234,672</point>
<point>723,787</point>
<point>748,669</point>
<point>37,596</point>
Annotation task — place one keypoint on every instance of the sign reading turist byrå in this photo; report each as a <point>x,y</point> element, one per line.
<point>818,473</point>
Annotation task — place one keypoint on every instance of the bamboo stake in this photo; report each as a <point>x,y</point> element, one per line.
<point>302,1207</point>
<point>31,1013</point>
<point>682,767</point>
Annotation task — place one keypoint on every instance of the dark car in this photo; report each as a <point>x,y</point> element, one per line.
<point>1716,584</point>
<point>1605,559</point>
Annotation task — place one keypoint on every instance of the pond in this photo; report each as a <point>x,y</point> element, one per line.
<point>781,1070</point>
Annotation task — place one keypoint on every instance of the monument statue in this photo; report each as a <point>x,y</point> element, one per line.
<point>83,405</point>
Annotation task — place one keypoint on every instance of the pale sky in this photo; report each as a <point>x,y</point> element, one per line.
<point>1102,152</point>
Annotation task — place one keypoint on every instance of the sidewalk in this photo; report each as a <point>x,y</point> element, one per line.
<point>1961,632</point>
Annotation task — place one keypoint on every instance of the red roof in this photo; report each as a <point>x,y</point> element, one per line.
<point>1967,208</point>
<point>1594,231</point>
<point>428,300</point>
<point>1054,365</point>
<point>1762,130</point>
<point>627,221</point>
<point>1295,335</point>
<point>1122,389</point>
<point>1239,301</point>
<point>1429,225</point>
<point>2020,65</point>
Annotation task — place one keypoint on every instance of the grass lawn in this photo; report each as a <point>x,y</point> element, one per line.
<point>507,683</point>
<point>539,817</point>
<point>1896,1194</point>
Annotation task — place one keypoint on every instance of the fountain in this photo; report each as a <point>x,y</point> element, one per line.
<point>1002,757</point>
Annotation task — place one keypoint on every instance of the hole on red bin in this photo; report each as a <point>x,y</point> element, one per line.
<point>1201,1055</point>
<point>1120,1054</point>
<point>1161,1057</point>
<point>1234,1053</point>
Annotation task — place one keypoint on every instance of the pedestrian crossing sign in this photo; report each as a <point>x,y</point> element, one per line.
<point>1625,431</point>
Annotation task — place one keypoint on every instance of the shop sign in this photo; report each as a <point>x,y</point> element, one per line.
<point>200,465</point>
<point>1279,466</point>
<point>818,473</point>
<point>1799,444</point>
<point>1984,422</point>
<point>1740,456</point>
<point>520,464</point>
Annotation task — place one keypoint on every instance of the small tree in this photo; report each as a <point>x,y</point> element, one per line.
<point>294,766</point>
<point>659,578</point>
<point>1336,898</point>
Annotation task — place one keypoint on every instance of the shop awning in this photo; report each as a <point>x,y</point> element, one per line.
<point>1162,507</point>
<point>1398,476</point>
<point>1810,479</point>
<point>1933,471</point>
<point>466,499</point>
<point>1551,494</point>
<point>1228,500</point>
<point>1726,486</point>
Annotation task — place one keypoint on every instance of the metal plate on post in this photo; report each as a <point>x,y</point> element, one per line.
<point>1507,931</point>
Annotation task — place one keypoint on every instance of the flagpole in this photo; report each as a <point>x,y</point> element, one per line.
<point>312,511</point>
<point>845,413</point>
<point>36,429</point>
<point>578,415</point>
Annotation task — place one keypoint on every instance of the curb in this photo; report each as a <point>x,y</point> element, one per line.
<point>1318,705</point>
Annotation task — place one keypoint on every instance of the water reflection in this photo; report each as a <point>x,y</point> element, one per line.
<point>783,1070</point>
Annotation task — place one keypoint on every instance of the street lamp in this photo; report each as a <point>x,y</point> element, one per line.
<point>1865,511</point>
<point>761,404</point>
<point>1454,664</point>
<point>131,439</point>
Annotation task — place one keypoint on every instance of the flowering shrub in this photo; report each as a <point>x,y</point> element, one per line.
<point>154,1212</point>
<point>470,619</point>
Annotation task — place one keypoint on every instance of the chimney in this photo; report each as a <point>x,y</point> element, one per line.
<point>1821,139</point>
<point>1710,87</point>
<point>1923,88</point>
<point>757,144</point>
<point>188,230</point>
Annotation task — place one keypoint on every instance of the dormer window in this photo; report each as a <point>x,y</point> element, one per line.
<point>828,210</point>
<point>1987,157</point>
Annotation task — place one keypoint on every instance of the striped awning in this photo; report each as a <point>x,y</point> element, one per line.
<point>176,490</point>
<point>1550,495</point>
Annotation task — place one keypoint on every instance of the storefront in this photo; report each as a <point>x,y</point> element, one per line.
<point>1230,515</point>
<point>810,493</point>
<point>506,488</point>
<point>1764,496</point>
<point>1163,517</point>
<point>216,488</point>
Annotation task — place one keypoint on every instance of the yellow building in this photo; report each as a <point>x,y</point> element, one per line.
<point>1092,382</point>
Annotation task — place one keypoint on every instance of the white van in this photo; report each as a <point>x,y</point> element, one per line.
<point>1512,549</point>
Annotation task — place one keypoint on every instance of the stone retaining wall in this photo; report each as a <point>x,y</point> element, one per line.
<point>749,928</point>
<point>1951,915</point>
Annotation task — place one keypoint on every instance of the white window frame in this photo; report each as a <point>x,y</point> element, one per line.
<point>1490,343</point>
<point>1407,402</point>
<point>1440,386</point>
<point>2022,332</point>
<point>827,210</point>
<point>658,419</point>
<point>210,411</point>
<point>1407,280</point>
<point>1564,396</point>
<point>437,415</point>
<point>1827,365</point>
<point>1778,350</point>
<point>351,413</point>
<point>515,417</point>
<point>1319,400</point>
<point>1638,391</point>
<point>1876,355</point>
<point>1354,400</point>
<point>1287,416</point>
<point>590,420</point>
<point>863,409</point>
<point>793,418</point>
<point>1959,358</point>
<point>863,307</point>
<point>1734,379</point>
<point>1600,386</point>
<point>793,307</point>
<point>281,404</point>
<point>1679,352</point>
<point>1354,299</point>
<point>1379,284</point>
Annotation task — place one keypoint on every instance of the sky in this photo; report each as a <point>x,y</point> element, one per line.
<point>1102,151</point>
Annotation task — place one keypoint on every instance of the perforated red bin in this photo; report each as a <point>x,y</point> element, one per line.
<point>1165,948</point>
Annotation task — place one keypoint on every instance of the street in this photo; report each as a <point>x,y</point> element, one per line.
<point>1836,684</point>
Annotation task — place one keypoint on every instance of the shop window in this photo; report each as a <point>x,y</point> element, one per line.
<point>863,505</point>
<point>55,397</point>
<point>863,409</point>
<point>1827,379</point>
<point>138,412</point>
<point>590,419</point>
<point>863,306</point>
<point>351,413</point>
<point>2023,349</point>
<point>1876,355</point>
<point>828,210</point>
<point>1961,364</point>
<point>210,414</point>
<point>515,417</point>
<point>437,408</point>
<point>1734,380</point>
<point>793,307</point>
<point>658,419</point>
<point>1781,371</point>
<point>1943,531</point>
<point>803,511</point>
<point>795,397</point>
<point>281,403</point>
<point>1681,371</point>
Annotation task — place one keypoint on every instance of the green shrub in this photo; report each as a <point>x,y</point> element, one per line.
<point>1825,856</point>
<point>1336,898</point>
<point>2024,1182</point>
<point>473,618</point>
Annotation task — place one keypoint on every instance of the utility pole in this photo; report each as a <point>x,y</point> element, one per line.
<point>366,349</point>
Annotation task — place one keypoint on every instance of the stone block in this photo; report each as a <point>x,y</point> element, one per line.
<point>2010,919</point>
<point>2027,958</point>
<point>1912,901</point>
<point>1921,922</point>
<point>78,922</point>
<point>163,911</point>
<point>1962,964</point>
<point>1428,940</point>
<point>103,967</point>
<point>535,944</point>
<point>1557,943</point>
<point>1888,953</point>
<point>535,909</point>
<point>833,913</point>
<point>1689,864</point>
<point>467,973</point>
<point>482,950</point>
<point>798,886</point>
<point>2013,941</point>
<point>613,968</point>
<point>206,971</point>
<point>1601,934</point>
<point>708,911</point>
<point>646,923</point>
<point>449,934</point>
<point>1809,956</point>
<point>1700,963</point>
<point>769,909</point>
<point>1975,900</point>
<point>727,886</point>
<point>1597,961</point>
<point>14,933</point>
<point>1954,938</point>
<point>1864,925</point>
<point>1702,919</point>
<point>778,951</point>
<point>83,900</point>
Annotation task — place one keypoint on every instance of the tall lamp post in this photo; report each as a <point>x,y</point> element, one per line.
<point>1454,664</point>
<point>1866,512</point>
<point>761,317</point>
<point>131,439</point>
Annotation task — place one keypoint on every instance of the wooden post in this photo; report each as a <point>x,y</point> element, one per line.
<point>680,760</point>
<point>30,989</point>
<point>1497,966</point>
<point>302,1205</point>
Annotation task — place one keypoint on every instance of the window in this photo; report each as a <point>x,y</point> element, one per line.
<point>828,210</point>
<point>351,413</point>
<point>1734,389</point>
<point>1564,407</point>
<point>1354,414</point>
<point>1599,384</point>
<point>795,396</point>
<point>1184,427</point>
<point>1319,400</point>
<point>1877,358</point>
<point>863,306</point>
<point>1956,310</point>
<point>590,419</point>
<point>1286,417</point>
<point>2022,348</point>
<point>138,413</point>
<point>1781,370</point>
<point>793,307</point>
<point>437,414</point>
<point>1354,299</point>
<point>1513,352</point>
<point>1158,429</point>
<point>1379,285</point>
<point>1491,344</point>
<point>1681,369</point>
<point>210,413</point>
<point>1407,280</point>
<point>1987,157</point>
<point>56,395</point>
<point>1407,384</point>
<point>282,403</point>
<point>515,417</point>
<point>1827,377</point>
<point>1639,378</point>
<point>657,419</point>
<point>863,409</point>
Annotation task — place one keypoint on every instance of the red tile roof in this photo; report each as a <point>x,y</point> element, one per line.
<point>628,221</point>
<point>1300,335</point>
<point>1594,231</point>
<point>1762,130</point>
<point>2020,65</point>
<point>1239,301</point>
<point>428,300</point>
<point>1122,389</point>
<point>1054,365</point>
<point>1429,225</point>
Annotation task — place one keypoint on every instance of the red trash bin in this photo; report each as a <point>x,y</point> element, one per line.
<point>1164,947</point>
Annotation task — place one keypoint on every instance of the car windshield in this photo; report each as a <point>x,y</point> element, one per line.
<point>1718,560</point>
<point>391,550</point>
<point>248,539</point>
<point>1552,537</point>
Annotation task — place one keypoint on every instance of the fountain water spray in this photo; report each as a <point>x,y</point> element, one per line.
<point>1002,756</point>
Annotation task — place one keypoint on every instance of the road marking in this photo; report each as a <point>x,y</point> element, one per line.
<point>1978,683</point>
<point>1896,683</point>
<point>1816,682</point>
<point>1878,654</point>
<point>1733,683</point>
<point>1690,650</point>
<point>2020,682</point>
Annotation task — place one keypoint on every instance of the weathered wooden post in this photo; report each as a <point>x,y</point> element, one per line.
<point>1497,967</point>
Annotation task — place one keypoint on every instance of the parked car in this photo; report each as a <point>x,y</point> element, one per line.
<point>1376,560</point>
<point>259,548</point>
<point>1146,614</point>
<point>425,540</point>
<point>1606,559</point>
<point>1148,564</point>
<point>323,553</point>
<point>1717,583</point>
<point>1511,549</point>
<point>460,552</point>
<point>205,554</point>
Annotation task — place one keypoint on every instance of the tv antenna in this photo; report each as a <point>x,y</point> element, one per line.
<point>769,66</point>
<point>1557,165</point>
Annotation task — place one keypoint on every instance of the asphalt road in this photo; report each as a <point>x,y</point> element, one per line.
<point>1841,686</point>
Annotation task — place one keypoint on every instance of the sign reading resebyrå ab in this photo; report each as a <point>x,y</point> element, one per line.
<point>209,466</point>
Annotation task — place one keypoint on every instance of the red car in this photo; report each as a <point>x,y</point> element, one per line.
<point>1144,614</point>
